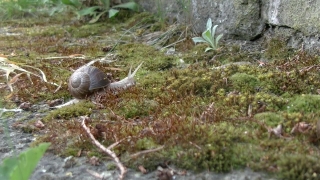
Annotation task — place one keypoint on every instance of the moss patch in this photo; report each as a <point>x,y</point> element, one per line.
<point>244,83</point>
<point>305,103</point>
<point>79,109</point>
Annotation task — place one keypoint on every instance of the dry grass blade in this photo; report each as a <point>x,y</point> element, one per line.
<point>14,80</point>
<point>9,67</point>
<point>43,76</point>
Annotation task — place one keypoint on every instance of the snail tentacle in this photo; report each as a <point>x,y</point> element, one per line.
<point>126,82</point>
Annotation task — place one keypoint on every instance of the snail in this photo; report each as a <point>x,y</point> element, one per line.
<point>88,79</point>
<point>85,80</point>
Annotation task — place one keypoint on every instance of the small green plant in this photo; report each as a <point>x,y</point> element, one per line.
<point>10,9</point>
<point>97,11</point>
<point>20,168</point>
<point>208,36</point>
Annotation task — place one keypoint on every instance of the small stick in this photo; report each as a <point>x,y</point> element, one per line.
<point>198,147</point>
<point>146,151</point>
<point>123,170</point>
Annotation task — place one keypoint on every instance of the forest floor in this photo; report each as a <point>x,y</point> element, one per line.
<point>247,110</point>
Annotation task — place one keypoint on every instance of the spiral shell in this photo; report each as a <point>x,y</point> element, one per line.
<point>85,80</point>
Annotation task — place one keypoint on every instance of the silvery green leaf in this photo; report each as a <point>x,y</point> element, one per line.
<point>206,35</point>
<point>96,18</point>
<point>213,32</point>
<point>129,5</point>
<point>92,11</point>
<point>113,12</point>
<point>198,40</point>
<point>74,3</point>
<point>209,23</point>
<point>218,39</point>
<point>208,49</point>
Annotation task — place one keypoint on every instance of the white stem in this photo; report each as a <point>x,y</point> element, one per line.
<point>73,101</point>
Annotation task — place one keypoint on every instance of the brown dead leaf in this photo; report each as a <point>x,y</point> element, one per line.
<point>94,161</point>
<point>55,102</point>
<point>4,56</point>
<point>25,106</point>
<point>107,48</point>
<point>13,53</point>
<point>276,131</point>
<point>182,173</point>
<point>301,127</point>
<point>79,153</point>
<point>39,124</point>
<point>142,170</point>
<point>164,174</point>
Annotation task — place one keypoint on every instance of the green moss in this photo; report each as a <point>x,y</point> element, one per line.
<point>79,109</point>
<point>87,30</point>
<point>153,61</point>
<point>270,118</point>
<point>243,82</point>
<point>299,167</point>
<point>152,82</point>
<point>71,152</point>
<point>191,81</point>
<point>305,103</point>
<point>276,48</point>
<point>136,108</point>
<point>271,102</point>
<point>145,143</point>
<point>219,150</point>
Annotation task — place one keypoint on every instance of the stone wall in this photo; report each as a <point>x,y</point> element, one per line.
<point>296,21</point>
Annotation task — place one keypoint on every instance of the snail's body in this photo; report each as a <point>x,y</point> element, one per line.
<point>88,79</point>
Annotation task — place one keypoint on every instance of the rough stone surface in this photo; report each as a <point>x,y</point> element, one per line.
<point>297,21</point>
<point>239,19</point>
<point>303,16</point>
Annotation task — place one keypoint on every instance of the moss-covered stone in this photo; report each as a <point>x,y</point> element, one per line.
<point>298,167</point>
<point>270,118</point>
<point>79,109</point>
<point>145,143</point>
<point>305,104</point>
<point>136,108</point>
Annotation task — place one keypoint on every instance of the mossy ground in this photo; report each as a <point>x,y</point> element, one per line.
<point>209,112</point>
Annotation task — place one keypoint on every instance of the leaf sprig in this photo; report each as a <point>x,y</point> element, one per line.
<point>208,36</point>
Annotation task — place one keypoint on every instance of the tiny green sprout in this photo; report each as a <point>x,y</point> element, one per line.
<point>208,36</point>
<point>104,7</point>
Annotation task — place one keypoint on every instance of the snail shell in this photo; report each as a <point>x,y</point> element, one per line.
<point>85,80</point>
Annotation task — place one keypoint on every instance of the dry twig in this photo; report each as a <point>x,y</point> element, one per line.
<point>146,151</point>
<point>123,169</point>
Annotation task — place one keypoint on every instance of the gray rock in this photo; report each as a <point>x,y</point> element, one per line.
<point>296,21</point>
